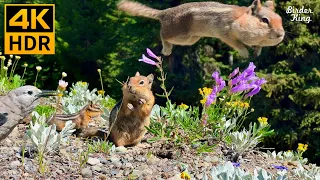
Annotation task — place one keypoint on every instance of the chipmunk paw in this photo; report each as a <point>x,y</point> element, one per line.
<point>130,106</point>
<point>142,101</point>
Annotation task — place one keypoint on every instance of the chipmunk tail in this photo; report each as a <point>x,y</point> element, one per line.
<point>137,9</point>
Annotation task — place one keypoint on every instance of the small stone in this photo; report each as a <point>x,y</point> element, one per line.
<point>96,168</point>
<point>113,172</point>
<point>137,173</point>
<point>121,149</point>
<point>93,161</point>
<point>126,172</point>
<point>199,176</point>
<point>103,160</point>
<point>86,172</point>
<point>14,164</point>
<point>128,165</point>
<point>120,173</point>
<point>104,170</point>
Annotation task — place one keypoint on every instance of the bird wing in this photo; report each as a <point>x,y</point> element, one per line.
<point>3,118</point>
<point>8,119</point>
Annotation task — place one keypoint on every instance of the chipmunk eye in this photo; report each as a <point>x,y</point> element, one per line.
<point>265,20</point>
<point>30,92</point>
<point>141,82</point>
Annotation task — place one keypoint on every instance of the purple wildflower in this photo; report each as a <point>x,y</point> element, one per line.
<point>151,54</point>
<point>246,81</point>
<point>220,84</point>
<point>250,69</point>
<point>280,167</point>
<point>242,86</point>
<point>212,97</point>
<point>235,164</point>
<point>148,61</point>
<point>234,73</point>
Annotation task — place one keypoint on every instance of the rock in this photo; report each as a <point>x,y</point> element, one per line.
<point>14,164</point>
<point>199,176</point>
<point>96,168</point>
<point>126,172</point>
<point>121,149</point>
<point>153,160</point>
<point>104,170</point>
<point>86,172</point>
<point>128,165</point>
<point>93,161</point>
<point>103,160</point>
<point>116,162</point>
<point>29,167</point>
<point>114,172</point>
<point>120,173</point>
<point>136,173</point>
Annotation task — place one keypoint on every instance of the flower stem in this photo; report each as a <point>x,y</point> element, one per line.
<point>24,71</point>
<point>163,80</point>
<point>35,81</point>
<point>101,84</point>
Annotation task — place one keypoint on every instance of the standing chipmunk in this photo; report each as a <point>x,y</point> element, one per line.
<point>130,115</point>
<point>81,118</point>
<point>256,26</point>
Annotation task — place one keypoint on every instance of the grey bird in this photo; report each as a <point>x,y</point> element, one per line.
<point>16,105</point>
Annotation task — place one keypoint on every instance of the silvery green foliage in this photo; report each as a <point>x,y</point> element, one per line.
<point>245,140</point>
<point>261,174</point>
<point>286,156</point>
<point>155,112</point>
<point>301,173</point>
<point>40,119</point>
<point>38,134</point>
<point>67,130</point>
<point>78,97</point>
<point>226,126</point>
<point>228,171</point>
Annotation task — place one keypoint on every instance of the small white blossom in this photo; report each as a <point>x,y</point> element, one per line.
<point>18,57</point>
<point>11,56</point>
<point>38,68</point>
<point>5,67</point>
<point>63,84</point>
<point>64,74</point>
<point>99,70</point>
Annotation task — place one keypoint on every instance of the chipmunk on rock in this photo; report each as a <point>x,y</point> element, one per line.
<point>81,118</point>
<point>255,26</point>
<point>130,115</point>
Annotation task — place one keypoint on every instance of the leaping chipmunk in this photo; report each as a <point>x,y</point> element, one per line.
<point>81,118</point>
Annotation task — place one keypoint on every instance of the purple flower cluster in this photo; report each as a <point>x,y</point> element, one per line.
<point>246,81</point>
<point>235,164</point>
<point>150,61</point>
<point>220,84</point>
<point>238,82</point>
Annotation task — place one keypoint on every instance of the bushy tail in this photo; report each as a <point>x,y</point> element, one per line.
<point>137,9</point>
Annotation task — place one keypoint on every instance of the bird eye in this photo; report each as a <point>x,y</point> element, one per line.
<point>265,20</point>
<point>30,92</point>
<point>141,82</point>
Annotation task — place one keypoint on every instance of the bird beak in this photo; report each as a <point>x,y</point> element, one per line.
<point>46,93</point>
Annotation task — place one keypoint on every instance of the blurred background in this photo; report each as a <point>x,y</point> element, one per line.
<point>93,34</point>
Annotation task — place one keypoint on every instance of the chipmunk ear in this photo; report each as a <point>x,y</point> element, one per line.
<point>137,74</point>
<point>150,78</point>
<point>255,6</point>
<point>270,5</point>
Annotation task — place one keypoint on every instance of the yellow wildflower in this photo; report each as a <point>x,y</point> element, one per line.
<point>245,105</point>
<point>204,92</point>
<point>59,94</point>
<point>302,147</point>
<point>101,92</point>
<point>183,106</point>
<point>263,120</point>
<point>185,175</point>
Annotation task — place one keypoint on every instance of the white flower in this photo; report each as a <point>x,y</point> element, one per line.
<point>38,68</point>
<point>9,64</point>
<point>25,65</point>
<point>64,74</point>
<point>99,70</point>
<point>11,56</point>
<point>18,57</point>
<point>63,84</point>
<point>5,68</point>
